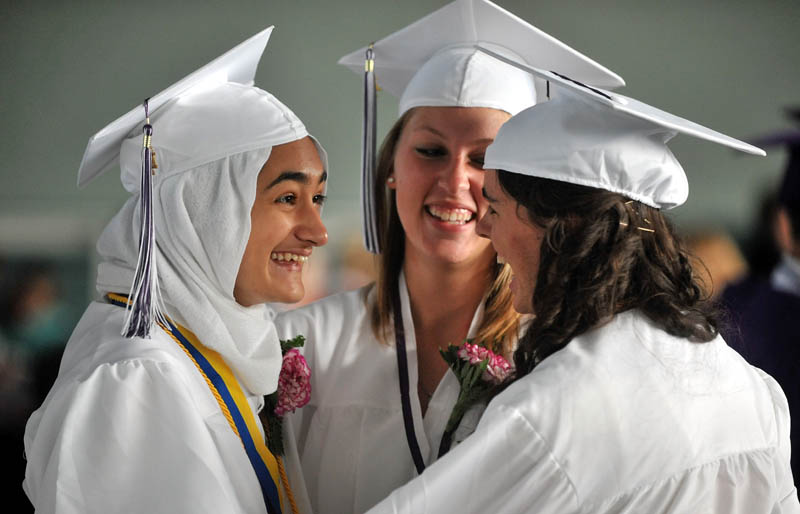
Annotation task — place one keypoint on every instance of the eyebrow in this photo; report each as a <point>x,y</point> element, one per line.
<point>428,128</point>
<point>296,176</point>
<point>486,195</point>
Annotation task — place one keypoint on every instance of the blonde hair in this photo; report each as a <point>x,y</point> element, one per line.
<point>499,327</point>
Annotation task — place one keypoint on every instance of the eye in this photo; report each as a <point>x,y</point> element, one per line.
<point>430,152</point>
<point>320,199</point>
<point>477,160</point>
<point>491,211</point>
<point>289,199</point>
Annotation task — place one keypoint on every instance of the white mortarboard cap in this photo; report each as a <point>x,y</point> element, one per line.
<point>433,62</point>
<point>208,115</point>
<point>593,137</point>
<point>205,124</point>
<point>237,65</point>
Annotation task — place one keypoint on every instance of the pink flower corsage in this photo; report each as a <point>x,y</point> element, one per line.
<point>479,370</point>
<point>294,391</point>
<point>294,383</point>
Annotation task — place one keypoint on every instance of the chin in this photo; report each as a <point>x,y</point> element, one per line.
<point>458,251</point>
<point>292,296</point>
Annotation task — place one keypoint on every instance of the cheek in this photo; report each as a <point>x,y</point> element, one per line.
<point>407,172</point>
<point>266,230</point>
<point>411,181</point>
<point>534,257</point>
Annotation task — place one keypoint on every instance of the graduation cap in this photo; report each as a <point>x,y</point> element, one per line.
<point>593,137</point>
<point>789,191</point>
<point>433,62</point>
<point>197,120</point>
<point>238,65</point>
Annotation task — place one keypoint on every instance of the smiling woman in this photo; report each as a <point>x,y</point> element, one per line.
<point>516,238</point>
<point>624,397</point>
<point>438,172</point>
<point>285,225</point>
<point>383,393</point>
<point>166,418</point>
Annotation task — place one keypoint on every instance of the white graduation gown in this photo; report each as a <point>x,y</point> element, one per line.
<point>626,418</point>
<point>130,425</point>
<point>350,437</point>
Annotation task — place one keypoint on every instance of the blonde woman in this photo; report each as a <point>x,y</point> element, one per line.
<point>381,392</point>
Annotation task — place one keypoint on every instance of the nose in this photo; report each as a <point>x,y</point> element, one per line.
<point>311,229</point>
<point>484,226</point>
<point>455,177</point>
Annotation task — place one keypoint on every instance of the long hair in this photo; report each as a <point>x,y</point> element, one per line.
<point>603,254</point>
<point>500,325</point>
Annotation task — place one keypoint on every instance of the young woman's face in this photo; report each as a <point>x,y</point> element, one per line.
<point>285,225</point>
<point>438,175</point>
<point>516,239</point>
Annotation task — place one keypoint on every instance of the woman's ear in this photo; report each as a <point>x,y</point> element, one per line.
<point>782,230</point>
<point>390,182</point>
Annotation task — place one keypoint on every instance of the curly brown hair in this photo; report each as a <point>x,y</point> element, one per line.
<point>603,254</point>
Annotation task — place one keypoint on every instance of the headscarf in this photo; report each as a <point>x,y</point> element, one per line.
<point>210,147</point>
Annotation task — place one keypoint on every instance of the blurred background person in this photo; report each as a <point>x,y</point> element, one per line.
<point>716,259</point>
<point>764,309</point>
<point>34,326</point>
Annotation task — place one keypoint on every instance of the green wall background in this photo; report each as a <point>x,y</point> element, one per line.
<point>68,68</point>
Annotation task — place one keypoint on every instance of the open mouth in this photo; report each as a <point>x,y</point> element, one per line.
<point>288,257</point>
<point>453,216</point>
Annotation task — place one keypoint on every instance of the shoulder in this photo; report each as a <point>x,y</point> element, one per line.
<point>616,393</point>
<point>97,340</point>
<point>97,353</point>
<point>777,398</point>
<point>330,316</point>
<point>102,370</point>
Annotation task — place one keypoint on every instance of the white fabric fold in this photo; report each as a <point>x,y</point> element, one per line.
<point>202,219</point>
<point>210,147</point>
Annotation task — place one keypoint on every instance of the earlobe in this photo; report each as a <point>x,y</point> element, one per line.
<point>390,182</point>
<point>783,231</point>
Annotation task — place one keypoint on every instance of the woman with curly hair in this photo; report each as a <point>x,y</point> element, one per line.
<point>625,397</point>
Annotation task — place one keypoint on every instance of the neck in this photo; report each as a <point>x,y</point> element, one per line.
<point>443,300</point>
<point>444,297</point>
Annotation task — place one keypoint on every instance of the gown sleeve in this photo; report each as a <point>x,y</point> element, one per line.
<point>128,438</point>
<point>788,502</point>
<point>504,467</point>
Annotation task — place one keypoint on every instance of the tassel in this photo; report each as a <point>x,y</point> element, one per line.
<point>145,306</point>
<point>369,222</point>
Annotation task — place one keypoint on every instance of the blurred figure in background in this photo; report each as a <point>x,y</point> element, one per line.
<point>717,260</point>
<point>34,327</point>
<point>761,248</point>
<point>357,266</point>
<point>764,310</point>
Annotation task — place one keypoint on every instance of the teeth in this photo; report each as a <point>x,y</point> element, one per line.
<point>457,216</point>
<point>286,256</point>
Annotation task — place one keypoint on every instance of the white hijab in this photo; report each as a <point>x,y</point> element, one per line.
<point>210,147</point>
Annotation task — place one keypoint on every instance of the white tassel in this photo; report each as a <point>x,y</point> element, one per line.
<point>145,304</point>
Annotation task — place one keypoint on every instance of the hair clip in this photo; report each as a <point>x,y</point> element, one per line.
<point>643,229</point>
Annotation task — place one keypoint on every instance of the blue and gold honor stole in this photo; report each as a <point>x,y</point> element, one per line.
<point>232,402</point>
